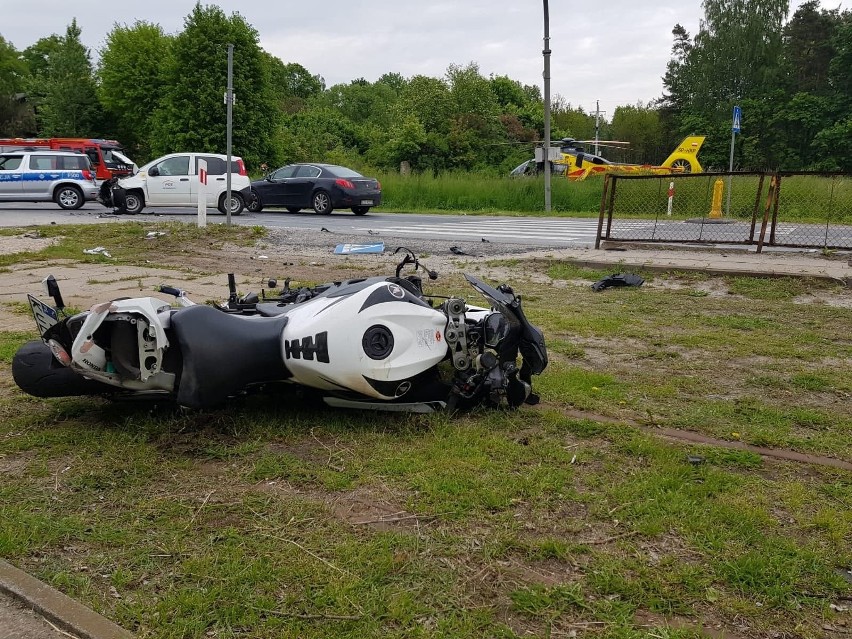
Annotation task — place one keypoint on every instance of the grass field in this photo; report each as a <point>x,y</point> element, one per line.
<point>812,199</point>
<point>485,194</point>
<point>573,518</point>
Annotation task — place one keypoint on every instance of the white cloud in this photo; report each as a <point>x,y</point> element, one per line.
<point>614,52</point>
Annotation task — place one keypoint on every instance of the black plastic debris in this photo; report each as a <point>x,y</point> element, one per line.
<point>620,279</point>
<point>455,250</point>
<point>325,230</point>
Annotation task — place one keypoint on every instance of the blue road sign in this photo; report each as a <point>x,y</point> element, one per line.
<point>738,114</point>
<point>347,249</point>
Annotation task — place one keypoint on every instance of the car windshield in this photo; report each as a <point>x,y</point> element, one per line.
<point>343,172</point>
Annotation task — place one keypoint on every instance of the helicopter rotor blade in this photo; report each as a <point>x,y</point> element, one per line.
<point>602,142</point>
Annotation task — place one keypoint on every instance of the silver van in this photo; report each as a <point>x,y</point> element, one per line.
<point>47,176</point>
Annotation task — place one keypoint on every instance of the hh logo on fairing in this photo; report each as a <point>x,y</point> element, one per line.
<point>308,347</point>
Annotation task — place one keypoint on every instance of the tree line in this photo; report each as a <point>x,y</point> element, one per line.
<point>158,93</point>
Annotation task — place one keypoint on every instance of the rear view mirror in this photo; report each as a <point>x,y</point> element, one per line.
<point>153,171</point>
<point>51,287</point>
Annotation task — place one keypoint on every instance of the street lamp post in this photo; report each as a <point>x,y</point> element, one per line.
<point>546,53</point>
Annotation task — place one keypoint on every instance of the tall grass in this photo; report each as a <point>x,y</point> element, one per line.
<point>484,194</point>
<point>803,198</point>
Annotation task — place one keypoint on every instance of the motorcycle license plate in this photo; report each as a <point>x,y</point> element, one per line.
<point>366,202</point>
<point>45,316</point>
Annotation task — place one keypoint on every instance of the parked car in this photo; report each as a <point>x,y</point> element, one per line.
<point>64,177</point>
<point>322,187</point>
<point>172,180</point>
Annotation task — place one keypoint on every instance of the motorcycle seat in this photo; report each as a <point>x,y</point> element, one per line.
<point>224,353</point>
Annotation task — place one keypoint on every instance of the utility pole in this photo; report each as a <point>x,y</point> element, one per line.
<point>229,100</point>
<point>546,53</point>
<point>597,124</point>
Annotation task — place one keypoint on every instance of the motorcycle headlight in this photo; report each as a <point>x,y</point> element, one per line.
<point>495,329</point>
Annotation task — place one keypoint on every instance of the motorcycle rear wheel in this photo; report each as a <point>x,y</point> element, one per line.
<point>37,373</point>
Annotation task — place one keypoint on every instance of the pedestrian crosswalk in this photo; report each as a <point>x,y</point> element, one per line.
<point>541,231</point>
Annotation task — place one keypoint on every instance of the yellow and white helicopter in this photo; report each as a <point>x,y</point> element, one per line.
<point>575,163</point>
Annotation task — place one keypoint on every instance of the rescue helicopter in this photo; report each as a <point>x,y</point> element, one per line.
<point>575,163</point>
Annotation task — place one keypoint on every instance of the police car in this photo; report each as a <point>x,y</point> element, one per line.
<point>34,175</point>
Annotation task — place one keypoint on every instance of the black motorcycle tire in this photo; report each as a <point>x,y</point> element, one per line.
<point>37,373</point>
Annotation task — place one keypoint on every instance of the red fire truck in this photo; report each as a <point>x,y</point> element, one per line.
<point>106,156</point>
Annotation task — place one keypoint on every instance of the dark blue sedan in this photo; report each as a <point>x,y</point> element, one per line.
<point>321,187</point>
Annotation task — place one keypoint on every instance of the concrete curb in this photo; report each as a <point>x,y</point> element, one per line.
<point>59,609</point>
<point>708,269</point>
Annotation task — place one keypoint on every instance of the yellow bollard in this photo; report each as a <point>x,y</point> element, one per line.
<point>716,208</point>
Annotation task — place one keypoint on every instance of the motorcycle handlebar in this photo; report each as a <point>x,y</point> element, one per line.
<point>171,290</point>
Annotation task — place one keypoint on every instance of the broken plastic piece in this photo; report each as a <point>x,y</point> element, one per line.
<point>97,250</point>
<point>620,279</point>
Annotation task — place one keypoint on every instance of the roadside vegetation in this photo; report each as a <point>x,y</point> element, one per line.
<point>159,93</point>
<point>484,194</point>
<point>132,240</point>
<point>274,518</point>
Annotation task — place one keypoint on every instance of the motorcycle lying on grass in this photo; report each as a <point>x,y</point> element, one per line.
<point>373,343</point>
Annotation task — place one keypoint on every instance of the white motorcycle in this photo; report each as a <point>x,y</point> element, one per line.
<point>375,343</point>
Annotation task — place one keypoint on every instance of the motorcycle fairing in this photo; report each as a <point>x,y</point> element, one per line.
<point>146,344</point>
<point>530,338</point>
<point>415,332</point>
<point>223,353</point>
<point>393,292</point>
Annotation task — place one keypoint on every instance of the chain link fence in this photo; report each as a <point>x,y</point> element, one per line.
<point>803,210</point>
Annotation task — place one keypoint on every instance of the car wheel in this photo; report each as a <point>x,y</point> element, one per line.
<point>322,203</point>
<point>237,204</point>
<point>360,210</point>
<point>68,197</point>
<point>134,202</point>
<point>294,209</point>
<point>254,205</point>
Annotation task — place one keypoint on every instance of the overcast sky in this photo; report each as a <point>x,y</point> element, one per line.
<point>614,51</point>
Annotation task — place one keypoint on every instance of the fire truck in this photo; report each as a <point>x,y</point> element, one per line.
<point>106,156</point>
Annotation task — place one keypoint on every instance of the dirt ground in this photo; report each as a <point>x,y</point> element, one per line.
<point>202,272</point>
<point>304,257</point>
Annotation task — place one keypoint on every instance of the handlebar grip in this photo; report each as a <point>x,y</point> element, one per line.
<point>170,290</point>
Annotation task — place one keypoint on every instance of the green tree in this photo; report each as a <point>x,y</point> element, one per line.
<point>291,84</point>
<point>809,48</point>
<point>312,134</point>
<point>567,121</point>
<point>361,101</point>
<point>38,55</point>
<point>16,116</point>
<point>429,100</point>
<point>192,115</point>
<point>641,126</point>
<point>737,49</point>
<point>132,81</point>
<point>734,58</point>
<point>394,80</point>
<point>475,129</point>
<point>63,87</point>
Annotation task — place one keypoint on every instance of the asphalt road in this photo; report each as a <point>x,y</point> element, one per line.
<point>534,232</point>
